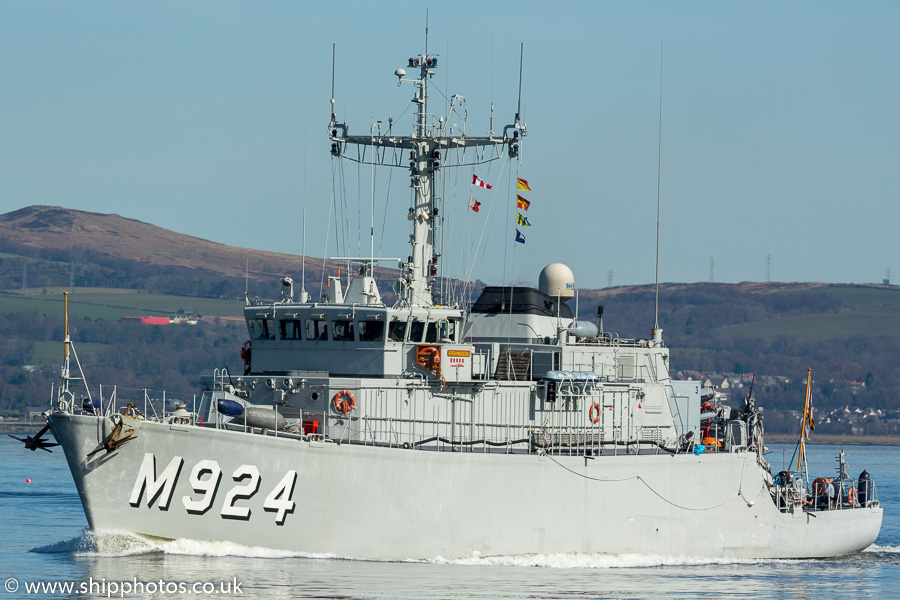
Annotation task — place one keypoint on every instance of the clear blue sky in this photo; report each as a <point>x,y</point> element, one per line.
<point>781,133</point>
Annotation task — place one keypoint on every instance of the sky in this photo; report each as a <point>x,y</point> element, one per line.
<point>780,136</point>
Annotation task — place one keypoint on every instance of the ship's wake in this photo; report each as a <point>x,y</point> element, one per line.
<point>119,544</point>
<point>113,543</point>
<point>877,549</point>
<point>576,560</point>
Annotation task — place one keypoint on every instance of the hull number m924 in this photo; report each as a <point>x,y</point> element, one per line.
<point>205,479</point>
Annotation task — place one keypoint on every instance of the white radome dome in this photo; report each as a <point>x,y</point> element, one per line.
<point>557,279</point>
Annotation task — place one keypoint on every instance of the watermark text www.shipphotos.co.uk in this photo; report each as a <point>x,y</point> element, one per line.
<point>119,589</point>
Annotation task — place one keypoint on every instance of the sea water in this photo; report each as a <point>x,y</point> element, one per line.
<point>44,541</point>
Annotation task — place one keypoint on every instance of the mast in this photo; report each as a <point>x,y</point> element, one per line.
<point>657,332</point>
<point>425,146</point>
<point>65,394</point>
<point>806,421</point>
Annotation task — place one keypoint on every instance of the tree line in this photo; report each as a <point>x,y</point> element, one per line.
<point>692,316</point>
<point>133,356</point>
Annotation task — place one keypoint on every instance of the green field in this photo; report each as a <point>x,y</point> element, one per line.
<point>52,352</point>
<point>858,296</point>
<point>868,312</point>
<point>113,304</point>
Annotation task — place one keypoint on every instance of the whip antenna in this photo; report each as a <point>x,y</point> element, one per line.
<point>303,295</point>
<point>333,45</point>
<point>519,105</point>
<point>657,332</point>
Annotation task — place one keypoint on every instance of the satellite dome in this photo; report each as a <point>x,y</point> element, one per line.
<point>557,279</point>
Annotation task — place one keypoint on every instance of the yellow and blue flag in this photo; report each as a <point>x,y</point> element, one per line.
<point>521,220</point>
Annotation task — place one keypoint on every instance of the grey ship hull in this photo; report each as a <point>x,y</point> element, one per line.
<point>372,502</point>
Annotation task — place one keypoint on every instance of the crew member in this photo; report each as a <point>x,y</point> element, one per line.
<point>805,496</point>
<point>832,490</point>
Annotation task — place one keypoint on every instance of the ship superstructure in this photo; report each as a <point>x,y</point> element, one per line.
<point>414,429</point>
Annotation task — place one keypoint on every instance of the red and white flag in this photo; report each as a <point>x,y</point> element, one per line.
<point>473,203</point>
<point>476,180</point>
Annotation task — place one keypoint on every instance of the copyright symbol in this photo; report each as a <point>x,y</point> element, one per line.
<point>11,585</point>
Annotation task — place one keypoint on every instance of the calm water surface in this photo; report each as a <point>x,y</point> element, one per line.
<point>44,540</point>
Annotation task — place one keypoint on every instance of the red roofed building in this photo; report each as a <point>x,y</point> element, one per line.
<point>149,320</point>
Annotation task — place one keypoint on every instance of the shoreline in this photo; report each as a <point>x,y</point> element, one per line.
<point>835,439</point>
<point>19,427</point>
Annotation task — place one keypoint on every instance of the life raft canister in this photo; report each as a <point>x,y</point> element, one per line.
<point>865,487</point>
<point>343,402</point>
<point>594,413</point>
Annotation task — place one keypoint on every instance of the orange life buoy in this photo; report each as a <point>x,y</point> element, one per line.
<point>429,358</point>
<point>594,417</point>
<point>429,355</point>
<point>343,402</point>
<point>851,496</point>
<point>818,486</point>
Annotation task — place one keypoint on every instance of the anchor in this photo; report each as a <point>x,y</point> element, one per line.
<point>33,442</point>
<point>115,439</point>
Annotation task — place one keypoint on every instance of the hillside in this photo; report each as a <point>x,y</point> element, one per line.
<point>849,335</point>
<point>812,311</point>
<point>113,304</point>
<point>49,246</point>
<point>56,228</point>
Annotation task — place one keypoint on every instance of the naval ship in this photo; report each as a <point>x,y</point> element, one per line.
<point>407,427</point>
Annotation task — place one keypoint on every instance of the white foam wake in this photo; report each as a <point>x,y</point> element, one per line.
<point>576,560</point>
<point>116,544</point>
<point>883,549</point>
<point>80,543</point>
<point>113,543</point>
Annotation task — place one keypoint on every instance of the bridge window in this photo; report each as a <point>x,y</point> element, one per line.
<point>447,331</point>
<point>291,329</point>
<point>261,329</point>
<point>416,331</point>
<point>397,331</point>
<point>342,331</point>
<point>317,329</point>
<point>431,336</point>
<point>371,331</point>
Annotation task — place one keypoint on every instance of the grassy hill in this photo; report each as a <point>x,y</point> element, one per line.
<point>50,246</point>
<point>866,311</point>
<point>63,229</point>
<point>113,303</point>
<point>809,311</point>
<point>115,267</point>
<point>847,335</point>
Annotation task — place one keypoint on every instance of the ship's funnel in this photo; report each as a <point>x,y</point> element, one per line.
<point>557,279</point>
